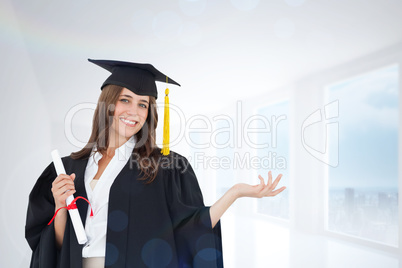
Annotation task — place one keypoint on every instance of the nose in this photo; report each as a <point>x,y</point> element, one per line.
<point>132,110</point>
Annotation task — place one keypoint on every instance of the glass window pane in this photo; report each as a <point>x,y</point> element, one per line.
<point>363,188</point>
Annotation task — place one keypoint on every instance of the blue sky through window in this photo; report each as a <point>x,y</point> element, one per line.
<point>363,188</point>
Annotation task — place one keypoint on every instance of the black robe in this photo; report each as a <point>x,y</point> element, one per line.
<point>162,224</point>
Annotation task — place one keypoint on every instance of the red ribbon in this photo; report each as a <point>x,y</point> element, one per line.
<point>72,205</point>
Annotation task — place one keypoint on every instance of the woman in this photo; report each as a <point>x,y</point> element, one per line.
<point>148,207</point>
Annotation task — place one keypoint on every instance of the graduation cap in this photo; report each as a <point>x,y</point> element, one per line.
<point>140,78</point>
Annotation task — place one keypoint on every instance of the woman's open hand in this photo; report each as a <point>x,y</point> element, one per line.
<point>244,190</point>
<point>260,190</point>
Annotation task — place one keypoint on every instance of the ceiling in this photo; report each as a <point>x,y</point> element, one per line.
<point>219,51</point>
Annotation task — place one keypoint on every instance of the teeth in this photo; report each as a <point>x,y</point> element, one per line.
<point>128,121</point>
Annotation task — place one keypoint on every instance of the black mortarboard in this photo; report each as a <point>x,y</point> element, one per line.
<point>138,77</point>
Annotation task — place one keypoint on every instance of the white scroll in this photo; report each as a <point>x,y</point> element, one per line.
<point>74,214</point>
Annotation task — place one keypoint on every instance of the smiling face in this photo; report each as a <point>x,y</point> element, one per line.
<point>130,114</point>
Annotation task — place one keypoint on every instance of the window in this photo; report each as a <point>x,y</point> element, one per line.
<point>363,187</point>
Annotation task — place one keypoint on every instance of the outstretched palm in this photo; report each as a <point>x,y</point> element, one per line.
<point>260,190</point>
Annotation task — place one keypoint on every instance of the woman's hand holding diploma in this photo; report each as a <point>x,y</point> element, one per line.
<point>63,190</point>
<point>62,187</point>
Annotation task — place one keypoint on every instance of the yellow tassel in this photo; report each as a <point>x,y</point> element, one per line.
<point>165,150</point>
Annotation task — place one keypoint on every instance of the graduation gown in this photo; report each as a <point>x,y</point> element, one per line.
<point>161,224</point>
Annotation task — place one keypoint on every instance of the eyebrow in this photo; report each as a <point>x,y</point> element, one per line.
<point>128,96</point>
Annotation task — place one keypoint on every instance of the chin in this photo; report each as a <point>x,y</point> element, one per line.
<point>128,135</point>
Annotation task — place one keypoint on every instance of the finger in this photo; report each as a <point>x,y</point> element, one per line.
<point>67,194</point>
<point>273,193</point>
<point>261,180</point>
<point>64,189</point>
<point>267,190</point>
<point>64,182</point>
<point>60,184</point>
<point>61,187</point>
<point>62,195</point>
<point>60,177</point>
<point>276,181</point>
<point>269,178</point>
<point>72,176</point>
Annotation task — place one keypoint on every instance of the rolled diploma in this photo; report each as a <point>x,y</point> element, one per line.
<point>74,214</point>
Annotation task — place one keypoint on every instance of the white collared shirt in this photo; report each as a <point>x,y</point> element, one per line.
<point>96,226</point>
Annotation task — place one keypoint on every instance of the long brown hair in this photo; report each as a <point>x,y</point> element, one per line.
<point>145,153</point>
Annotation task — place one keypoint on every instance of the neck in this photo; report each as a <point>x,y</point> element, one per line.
<point>115,141</point>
